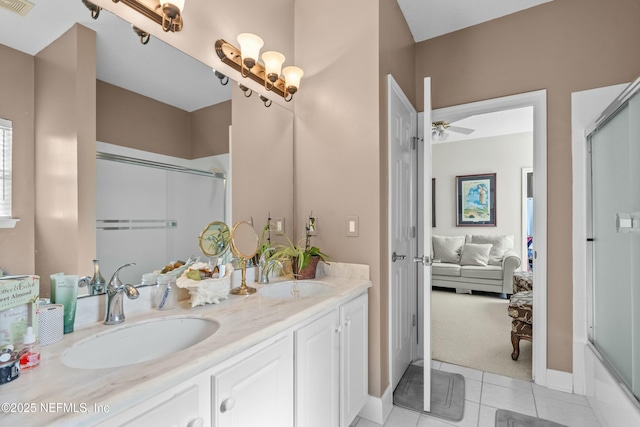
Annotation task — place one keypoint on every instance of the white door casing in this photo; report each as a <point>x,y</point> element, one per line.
<point>402,133</point>
<point>424,241</point>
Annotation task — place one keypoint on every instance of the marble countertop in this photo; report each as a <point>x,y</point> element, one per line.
<point>244,322</point>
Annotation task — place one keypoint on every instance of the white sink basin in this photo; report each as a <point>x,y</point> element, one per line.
<point>294,289</point>
<point>138,342</point>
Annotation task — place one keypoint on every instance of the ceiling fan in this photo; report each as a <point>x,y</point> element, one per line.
<point>440,130</point>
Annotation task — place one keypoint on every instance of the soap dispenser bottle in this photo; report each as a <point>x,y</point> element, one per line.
<point>30,351</point>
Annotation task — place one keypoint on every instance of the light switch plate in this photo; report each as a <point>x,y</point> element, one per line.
<point>352,226</point>
<point>279,226</point>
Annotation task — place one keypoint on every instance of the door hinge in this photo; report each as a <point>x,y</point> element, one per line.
<point>414,142</point>
<point>413,232</point>
<point>413,320</point>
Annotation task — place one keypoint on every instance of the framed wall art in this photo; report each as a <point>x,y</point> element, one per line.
<point>476,200</point>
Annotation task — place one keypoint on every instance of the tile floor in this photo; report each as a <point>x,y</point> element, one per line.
<point>486,392</point>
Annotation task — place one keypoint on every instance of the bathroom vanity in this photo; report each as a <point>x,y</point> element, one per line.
<point>275,360</point>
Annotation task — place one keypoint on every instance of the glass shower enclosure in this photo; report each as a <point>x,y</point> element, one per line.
<point>614,236</point>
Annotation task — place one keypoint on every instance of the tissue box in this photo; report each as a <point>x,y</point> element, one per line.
<point>208,291</point>
<point>16,291</point>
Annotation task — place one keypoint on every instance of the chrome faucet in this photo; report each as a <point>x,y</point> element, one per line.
<point>265,266</point>
<point>115,290</point>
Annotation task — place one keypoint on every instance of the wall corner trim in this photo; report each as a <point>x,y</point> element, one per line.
<point>558,380</point>
<point>377,409</point>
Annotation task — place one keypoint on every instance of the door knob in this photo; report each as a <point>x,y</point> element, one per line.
<point>395,257</point>
<point>425,260</point>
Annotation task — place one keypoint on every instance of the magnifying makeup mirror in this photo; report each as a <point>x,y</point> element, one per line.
<point>244,245</point>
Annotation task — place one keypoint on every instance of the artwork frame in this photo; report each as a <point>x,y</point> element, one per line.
<point>476,200</point>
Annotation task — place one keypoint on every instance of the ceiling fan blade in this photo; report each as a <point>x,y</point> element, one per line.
<point>458,129</point>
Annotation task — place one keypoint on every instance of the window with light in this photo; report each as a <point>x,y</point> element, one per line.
<point>6,134</point>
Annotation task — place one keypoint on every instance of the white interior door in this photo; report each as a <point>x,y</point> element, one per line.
<point>424,242</point>
<point>402,240</point>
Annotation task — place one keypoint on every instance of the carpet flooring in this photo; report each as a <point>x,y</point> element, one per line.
<point>447,393</point>
<point>475,331</point>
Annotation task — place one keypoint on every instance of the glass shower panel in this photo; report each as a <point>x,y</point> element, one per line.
<point>615,161</point>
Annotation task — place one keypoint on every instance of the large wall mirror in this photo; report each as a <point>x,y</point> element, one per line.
<point>206,152</point>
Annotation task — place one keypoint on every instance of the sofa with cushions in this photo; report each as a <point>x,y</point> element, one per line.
<point>474,262</point>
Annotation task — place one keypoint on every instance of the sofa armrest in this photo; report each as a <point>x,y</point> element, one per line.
<point>510,263</point>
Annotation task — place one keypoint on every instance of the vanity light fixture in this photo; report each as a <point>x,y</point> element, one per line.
<point>245,61</point>
<point>267,102</point>
<point>166,13</point>
<point>144,36</point>
<point>223,79</point>
<point>95,9</point>
<point>247,92</point>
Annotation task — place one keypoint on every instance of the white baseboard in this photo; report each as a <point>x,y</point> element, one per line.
<point>558,380</point>
<point>377,409</point>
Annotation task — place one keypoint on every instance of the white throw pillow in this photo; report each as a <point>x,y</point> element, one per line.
<point>447,248</point>
<point>475,254</point>
<point>499,246</point>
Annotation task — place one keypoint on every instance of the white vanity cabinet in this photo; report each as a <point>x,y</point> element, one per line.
<point>257,391</point>
<point>354,358</point>
<point>331,365</point>
<point>317,349</point>
<point>184,405</point>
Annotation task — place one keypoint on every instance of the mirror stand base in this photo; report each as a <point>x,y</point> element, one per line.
<point>243,290</point>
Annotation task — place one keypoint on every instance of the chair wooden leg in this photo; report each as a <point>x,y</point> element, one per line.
<point>515,341</point>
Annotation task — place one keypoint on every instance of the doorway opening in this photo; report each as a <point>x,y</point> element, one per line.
<point>470,297</point>
<point>537,100</point>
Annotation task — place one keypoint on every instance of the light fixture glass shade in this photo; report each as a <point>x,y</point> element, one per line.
<point>273,64</point>
<point>250,46</point>
<point>292,76</point>
<point>177,3</point>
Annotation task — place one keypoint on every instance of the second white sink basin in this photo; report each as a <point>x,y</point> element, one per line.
<point>294,289</point>
<point>138,342</point>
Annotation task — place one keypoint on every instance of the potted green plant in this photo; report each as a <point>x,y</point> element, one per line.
<point>301,257</point>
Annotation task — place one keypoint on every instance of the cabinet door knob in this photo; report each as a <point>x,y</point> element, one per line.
<point>347,322</point>
<point>338,329</point>
<point>196,422</point>
<point>227,404</point>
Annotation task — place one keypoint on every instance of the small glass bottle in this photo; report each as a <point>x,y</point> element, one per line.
<point>166,292</point>
<point>98,284</point>
<point>31,348</point>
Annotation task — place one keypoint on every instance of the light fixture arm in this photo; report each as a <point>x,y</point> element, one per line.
<point>95,9</point>
<point>144,36</point>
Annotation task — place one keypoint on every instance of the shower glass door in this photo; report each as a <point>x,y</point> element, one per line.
<point>615,233</point>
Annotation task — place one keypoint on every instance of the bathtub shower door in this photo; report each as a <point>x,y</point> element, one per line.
<point>615,237</point>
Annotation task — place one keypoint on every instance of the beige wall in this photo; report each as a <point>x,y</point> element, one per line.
<point>261,162</point>
<point>210,130</point>
<point>397,51</point>
<point>17,245</point>
<point>561,46</point>
<point>65,123</point>
<point>132,120</point>
<point>337,143</point>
